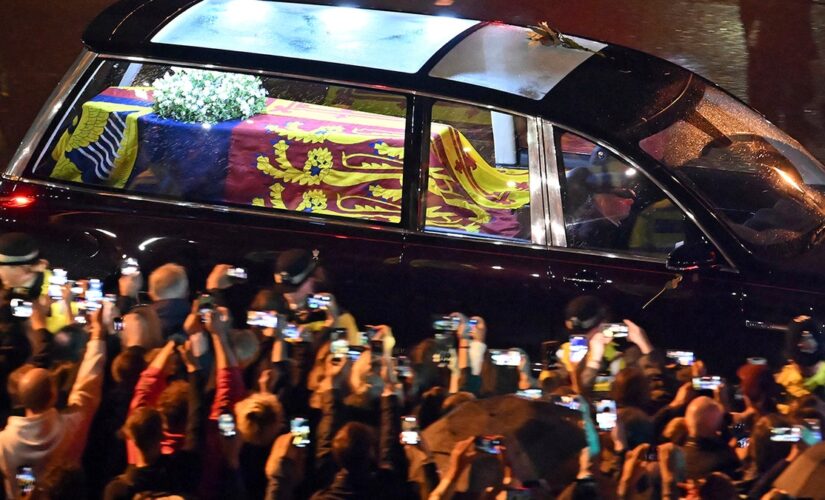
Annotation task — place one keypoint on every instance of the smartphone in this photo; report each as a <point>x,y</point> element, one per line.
<point>338,334</point>
<point>77,290</point>
<point>56,282</point>
<point>318,302</point>
<point>447,324</point>
<point>471,323</point>
<point>570,402</point>
<point>403,368</point>
<point>578,348</point>
<point>377,346</point>
<point>603,383</point>
<point>339,348</point>
<point>502,357</point>
<point>786,434</point>
<point>409,430</point>
<point>25,479</point>
<point>681,358</point>
<point>263,319</point>
<point>117,324</point>
<point>530,393</point>
<point>605,414</point>
<point>237,273</point>
<point>129,267</point>
<point>707,383</point>
<point>94,293</point>
<point>366,337</point>
<point>205,304</point>
<point>615,330</point>
<point>291,333</point>
<point>548,354</point>
<point>743,442</point>
<point>299,427</point>
<point>518,494</point>
<point>487,444</point>
<point>226,424</point>
<point>811,433</point>
<point>21,308</point>
<point>652,454</point>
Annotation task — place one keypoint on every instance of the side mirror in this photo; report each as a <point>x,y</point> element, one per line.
<point>692,257</point>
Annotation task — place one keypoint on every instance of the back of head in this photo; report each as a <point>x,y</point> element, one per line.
<point>69,343</point>
<point>704,417</point>
<point>128,365</point>
<point>145,427</point>
<point>173,405</point>
<point>169,281</point>
<point>245,344</point>
<point>764,452</point>
<point>260,417</point>
<point>354,447</point>
<point>631,388</point>
<point>759,386</point>
<point>718,486</point>
<point>584,313</point>
<point>676,431</point>
<point>142,327</point>
<point>36,390</point>
<point>637,427</point>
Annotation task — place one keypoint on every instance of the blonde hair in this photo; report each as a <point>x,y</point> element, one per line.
<point>169,281</point>
<point>259,418</point>
<point>148,334</point>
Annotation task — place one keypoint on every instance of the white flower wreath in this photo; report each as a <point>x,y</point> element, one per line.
<point>200,96</point>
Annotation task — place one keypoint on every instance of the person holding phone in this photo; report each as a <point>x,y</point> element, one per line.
<point>45,434</point>
<point>589,317</point>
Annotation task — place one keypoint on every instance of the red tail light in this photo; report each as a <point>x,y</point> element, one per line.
<point>16,201</point>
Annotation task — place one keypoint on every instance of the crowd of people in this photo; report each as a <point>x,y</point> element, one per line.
<point>195,394</point>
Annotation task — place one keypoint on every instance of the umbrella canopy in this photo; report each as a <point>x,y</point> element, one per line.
<point>546,434</point>
<point>805,476</point>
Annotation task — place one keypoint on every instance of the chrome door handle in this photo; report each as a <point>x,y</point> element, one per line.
<point>585,279</point>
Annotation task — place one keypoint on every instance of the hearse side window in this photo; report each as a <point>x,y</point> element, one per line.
<point>232,139</point>
<point>609,205</point>
<point>479,182</point>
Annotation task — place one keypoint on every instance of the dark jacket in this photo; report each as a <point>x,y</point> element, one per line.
<point>704,456</point>
<point>172,314</point>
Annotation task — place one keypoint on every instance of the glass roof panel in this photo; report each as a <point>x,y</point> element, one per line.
<point>394,41</point>
<point>500,57</point>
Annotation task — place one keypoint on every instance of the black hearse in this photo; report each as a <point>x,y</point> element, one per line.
<point>435,163</point>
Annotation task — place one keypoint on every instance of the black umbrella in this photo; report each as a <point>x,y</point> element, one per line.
<point>805,476</point>
<point>547,434</point>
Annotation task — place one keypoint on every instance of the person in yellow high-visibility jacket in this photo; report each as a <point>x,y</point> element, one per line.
<point>24,274</point>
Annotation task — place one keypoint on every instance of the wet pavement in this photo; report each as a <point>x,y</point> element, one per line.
<point>770,53</point>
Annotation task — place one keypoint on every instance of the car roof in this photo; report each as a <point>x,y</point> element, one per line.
<point>599,88</point>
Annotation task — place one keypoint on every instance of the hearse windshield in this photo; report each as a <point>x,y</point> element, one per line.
<point>763,184</point>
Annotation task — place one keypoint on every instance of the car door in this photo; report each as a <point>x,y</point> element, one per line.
<point>479,248</point>
<point>612,231</point>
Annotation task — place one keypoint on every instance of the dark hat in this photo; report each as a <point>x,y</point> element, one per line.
<point>295,266</point>
<point>17,249</point>
<point>585,313</point>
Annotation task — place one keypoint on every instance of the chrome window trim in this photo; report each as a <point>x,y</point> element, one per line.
<point>538,195</point>
<point>556,228</point>
<point>619,254</point>
<point>47,113</point>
